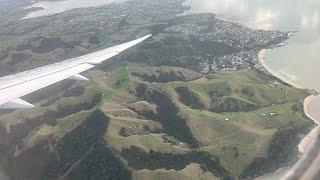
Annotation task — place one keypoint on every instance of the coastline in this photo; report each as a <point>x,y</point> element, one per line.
<point>261,58</point>
<point>309,140</point>
<point>306,103</point>
<point>311,136</point>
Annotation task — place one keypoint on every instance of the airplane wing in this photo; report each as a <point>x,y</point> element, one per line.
<point>15,86</point>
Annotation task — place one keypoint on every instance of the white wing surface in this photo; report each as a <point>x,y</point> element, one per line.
<point>15,86</point>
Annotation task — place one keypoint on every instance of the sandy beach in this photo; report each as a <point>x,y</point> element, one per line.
<point>308,142</point>
<point>261,58</point>
<point>308,139</point>
<point>313,133</point>
<point>306,103</point>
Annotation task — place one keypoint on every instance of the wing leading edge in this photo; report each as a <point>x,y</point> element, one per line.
<point>15,86</point>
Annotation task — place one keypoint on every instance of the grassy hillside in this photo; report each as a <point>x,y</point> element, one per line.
<point>238,136</point>
<point>169,120</point>
<point>151,112</point>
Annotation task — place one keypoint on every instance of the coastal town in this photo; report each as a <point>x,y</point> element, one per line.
<point>194,101</point>
<point>232,62</point>
<point>242,42</point>
<point>232,34</point>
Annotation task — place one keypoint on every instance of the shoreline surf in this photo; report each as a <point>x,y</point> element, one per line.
<point>261,58</point>
<point>308,142</point>
<point>305,143</point>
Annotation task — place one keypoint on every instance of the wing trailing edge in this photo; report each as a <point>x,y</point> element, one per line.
<point>15,86</point>
<point>79,77</point>
<point>16,104</point>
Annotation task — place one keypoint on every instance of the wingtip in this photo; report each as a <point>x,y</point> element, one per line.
<point>145,37</point>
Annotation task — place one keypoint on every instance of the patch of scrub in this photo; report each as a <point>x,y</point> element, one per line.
<point>166,74</point>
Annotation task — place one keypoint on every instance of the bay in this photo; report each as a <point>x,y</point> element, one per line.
<point>297,62</point>
<point>47,8</point>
